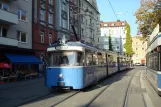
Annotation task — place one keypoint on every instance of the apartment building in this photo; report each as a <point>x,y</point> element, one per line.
<point>89,21</point>
<point>16,38</point>
<point>16,23</point>
<point>118,35</point>
<point>139,48</point>
<point>44,25</point>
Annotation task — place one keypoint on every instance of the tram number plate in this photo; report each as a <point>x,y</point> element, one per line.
<point>61,47</point>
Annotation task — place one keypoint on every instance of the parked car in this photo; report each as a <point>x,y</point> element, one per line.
<point>137,64</point>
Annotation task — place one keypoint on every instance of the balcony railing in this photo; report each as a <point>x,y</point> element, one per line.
<point>8,41</point>
<point>7,17</point>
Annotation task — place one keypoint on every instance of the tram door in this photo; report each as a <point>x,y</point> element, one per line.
<point>107,63</point>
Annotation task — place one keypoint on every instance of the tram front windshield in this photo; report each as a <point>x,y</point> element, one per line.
<point>65,59</point>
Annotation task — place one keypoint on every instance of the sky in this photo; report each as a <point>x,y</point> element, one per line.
<point>124,9</point>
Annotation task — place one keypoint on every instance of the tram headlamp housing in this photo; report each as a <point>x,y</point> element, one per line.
<point>60,75</point>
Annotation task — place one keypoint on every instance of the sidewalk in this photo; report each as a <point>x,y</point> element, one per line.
<point>17,93</point>
<point>20,83</point>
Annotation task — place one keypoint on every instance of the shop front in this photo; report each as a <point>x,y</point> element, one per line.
<point>15,67</point>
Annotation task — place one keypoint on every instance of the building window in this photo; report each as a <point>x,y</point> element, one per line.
<point>3,32</point>
<point>82,4</point>
<point>90,21</point>
<point>123,23</point>
<point>21,15</point>
<point>136,43</point>
<point>50,20</point>
<point>51,2</point>
<point>136,49</point>
<point>82,31</point>
<point>142,48</point>
<point>50,38</point>
<point>22,37</point>
<point>4,6</point>
<point>42,15</point>
<point>64,16</point>
<point>41,37</point>
<point>136,55</point>
<point>105,24</point>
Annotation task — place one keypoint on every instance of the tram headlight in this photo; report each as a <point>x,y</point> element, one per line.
<point>60,75</point>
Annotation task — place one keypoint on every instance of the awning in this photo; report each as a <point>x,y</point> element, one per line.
<point>23,59</point>
<point>5,65</point>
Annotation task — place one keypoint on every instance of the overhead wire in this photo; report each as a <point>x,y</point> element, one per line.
<point>113,9</point>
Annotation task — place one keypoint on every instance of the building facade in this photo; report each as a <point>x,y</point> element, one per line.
<point>90,21</point>
<point>16,23</point>
<point>44,25</point>
<point>118,35</point>
<point>16,40</point>
<point>139,48</point>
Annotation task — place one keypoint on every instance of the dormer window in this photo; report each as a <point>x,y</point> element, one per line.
<point>113,24</point>
<point>123,23</point>
<point>105,24</point>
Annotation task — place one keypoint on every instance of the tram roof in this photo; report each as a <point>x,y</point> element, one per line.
<point>154,44</point>
<point>78,45</point>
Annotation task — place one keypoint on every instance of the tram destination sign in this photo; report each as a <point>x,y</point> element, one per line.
<point>61,47</point>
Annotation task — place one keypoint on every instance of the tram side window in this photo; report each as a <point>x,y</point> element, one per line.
<point>95,59</point>
<point>153,61</point>
<point>89,59</point>
<point>104,58</point>
<point>100,59</point>
<point>80,59</point>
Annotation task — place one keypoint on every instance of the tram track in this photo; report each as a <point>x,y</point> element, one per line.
<point>55,104</point>
<point>128,90</point>
<point>95,97</point>
<point>63,97</point>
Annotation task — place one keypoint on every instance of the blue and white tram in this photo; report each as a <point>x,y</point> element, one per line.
<point>76,65</point>
<point>153,65</point>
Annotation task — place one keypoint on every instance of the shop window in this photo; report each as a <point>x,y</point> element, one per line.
<point>22,15</point>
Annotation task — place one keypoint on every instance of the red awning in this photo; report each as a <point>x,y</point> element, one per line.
<point>5,65</point>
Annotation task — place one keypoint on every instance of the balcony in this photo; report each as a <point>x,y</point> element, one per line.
<point>8,41</point>
<point>7,17</point>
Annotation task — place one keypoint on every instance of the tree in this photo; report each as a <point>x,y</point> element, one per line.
<point>128,44</point>
<point>110,43</point>
<point>148,16</point>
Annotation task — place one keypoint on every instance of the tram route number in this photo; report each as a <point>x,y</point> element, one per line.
<point>61,47</point>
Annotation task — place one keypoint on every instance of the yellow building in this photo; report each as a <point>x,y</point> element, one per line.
<point>139,48</point>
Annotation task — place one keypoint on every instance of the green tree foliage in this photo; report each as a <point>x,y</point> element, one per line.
<point>110,43</point>
<point>148,16</point>
<point>128,44</point>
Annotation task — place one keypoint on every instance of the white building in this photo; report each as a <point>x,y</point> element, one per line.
<point>118,35</point>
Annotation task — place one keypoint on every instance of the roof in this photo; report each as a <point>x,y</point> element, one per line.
<point>113,24</point>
